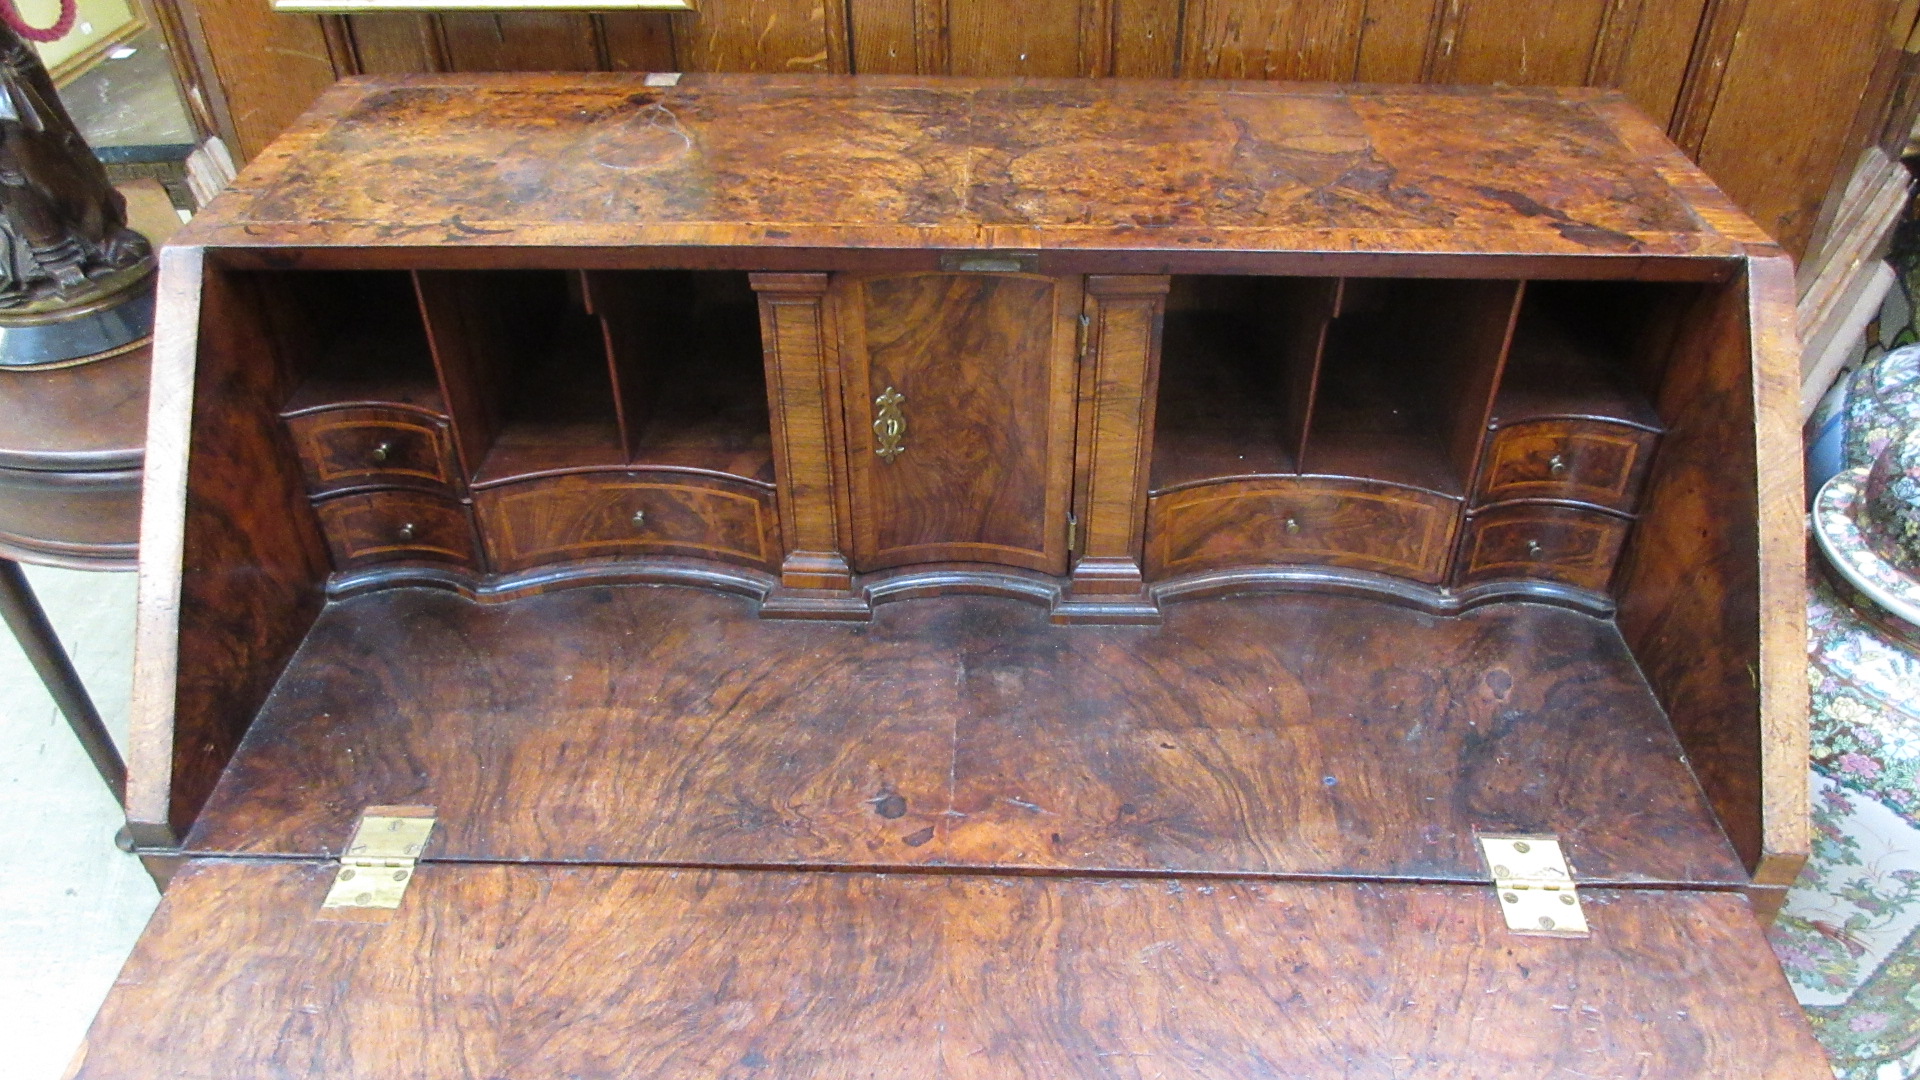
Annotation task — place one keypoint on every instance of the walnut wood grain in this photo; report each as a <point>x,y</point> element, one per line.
<point>1119,379</point>
<point>82,520</point>
<point>231,578</point>
<point>90,417</point>
<point>967,731</point>
<point>396,526</point>
<point>627,513</point>
<point>1580,460</point>
<point>345,448</point>
<point>688,369</point>
<point>465,337</point>
<point>486,970</point>
<point>1577,547</point>
<point>985,365</point>
<point>802,361</point>
<point>1406,380</point>
<point>1710,585</point>
<point>602,161</point>
<point>1357,523</point>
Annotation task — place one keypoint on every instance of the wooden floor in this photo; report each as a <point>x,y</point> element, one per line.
<point>1284,735</point>
<point>597,973</point>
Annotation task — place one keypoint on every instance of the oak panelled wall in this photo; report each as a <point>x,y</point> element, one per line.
<point>1718,74</point>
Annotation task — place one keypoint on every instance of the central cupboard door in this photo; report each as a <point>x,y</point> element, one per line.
<point>960,414</point>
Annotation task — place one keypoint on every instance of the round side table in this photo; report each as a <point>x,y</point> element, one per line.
<point>72,439</point>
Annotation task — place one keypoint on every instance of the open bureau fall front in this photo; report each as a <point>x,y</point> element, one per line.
<point>954,578</point>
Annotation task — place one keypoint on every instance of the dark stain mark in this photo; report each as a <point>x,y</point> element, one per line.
<point>1499,682</point>
<point>457,227</point>
<point>1583,233</point>
<point>1127,808</point>
<point>890,806</point>
<point>1595,236</point>
<point>919,838</point>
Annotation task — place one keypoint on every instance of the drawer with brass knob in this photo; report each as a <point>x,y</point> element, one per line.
<point>1571,545</point>
<point>622,513</point>
<point>1587,461</point>
<point>396,526</point>
<point>341,449</point>
<point>1360,524</point>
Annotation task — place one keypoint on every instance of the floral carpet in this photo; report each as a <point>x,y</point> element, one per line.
<point>1849,936</point>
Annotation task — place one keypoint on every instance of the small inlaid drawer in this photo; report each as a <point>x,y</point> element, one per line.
<point>395,526</point>
<point>621,514</point>
<point>1360,524</point>
<point>361,447</point>
<point>1550,543</point>
<point>1579,460</point>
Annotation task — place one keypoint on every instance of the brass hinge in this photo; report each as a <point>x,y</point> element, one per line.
<point>1086,338</point>
<point>1535,885</point>
<point>1073,534</point>
<point>380,859</point>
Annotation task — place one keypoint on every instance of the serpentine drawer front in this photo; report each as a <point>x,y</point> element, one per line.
<point>602,515</point>
<point>1583,461</point>
<point>699,576</point>
<point>363,447</point>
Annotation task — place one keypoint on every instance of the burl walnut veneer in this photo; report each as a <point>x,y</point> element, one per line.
<point>926,578</point>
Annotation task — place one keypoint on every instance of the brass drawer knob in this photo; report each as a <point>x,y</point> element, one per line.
<point>381,453</point>
<point>405,532</point>
<point>1557,465</point>
<point>1293,526</point>
<point>1533,549</point>
<point>639,519</point>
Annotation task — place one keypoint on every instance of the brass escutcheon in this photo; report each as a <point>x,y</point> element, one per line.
<point>889,425</point>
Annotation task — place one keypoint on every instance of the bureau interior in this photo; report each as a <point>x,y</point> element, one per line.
<point>1393,379</point>
<point>540,371</point>
<point>532,439</point>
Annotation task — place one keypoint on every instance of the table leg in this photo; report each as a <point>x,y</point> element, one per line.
<point>30,627</point>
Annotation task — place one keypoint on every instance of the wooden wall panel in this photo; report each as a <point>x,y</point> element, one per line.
<point>1395,39</point>
<point>393,43</point>
<point>1061,38</point>
<point>270,66</point>
<point>1281,39</point>
<point>1146,38</point>
<point>1644,50</point>
<point>1778,131</point>
<point>528,40</point>
<point>886,36</point>
<point>762,35</point>
<point>1522,42</point>
<point>637,41</point>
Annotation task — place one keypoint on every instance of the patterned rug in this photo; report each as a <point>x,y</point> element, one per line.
<point>1849,936</point>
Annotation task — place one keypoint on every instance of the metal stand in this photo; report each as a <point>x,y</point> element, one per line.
<point>30,627</point>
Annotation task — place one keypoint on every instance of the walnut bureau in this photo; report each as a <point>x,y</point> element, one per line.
<point>917,578</point>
